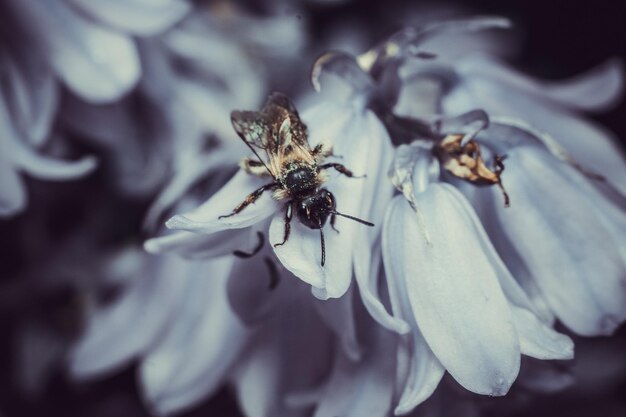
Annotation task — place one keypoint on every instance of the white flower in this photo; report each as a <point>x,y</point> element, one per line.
<point>578,220</point>
<point>362,142</point>
<point>468,314</point>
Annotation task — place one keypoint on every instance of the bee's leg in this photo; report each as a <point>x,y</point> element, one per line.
<point>333,219</point>
<point>254,167</point>
<point>288,215</point>
<point>498,168</point>
<point>341,169</point>
<point>251,198</point>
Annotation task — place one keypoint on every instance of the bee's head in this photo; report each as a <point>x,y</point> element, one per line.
<point>313,211</point>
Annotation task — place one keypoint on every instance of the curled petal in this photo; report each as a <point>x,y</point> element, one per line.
<point>46,168</point>
<point>342,65</point>
<point>205,218</point>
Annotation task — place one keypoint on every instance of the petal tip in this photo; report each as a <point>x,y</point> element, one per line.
<point>177,222</point>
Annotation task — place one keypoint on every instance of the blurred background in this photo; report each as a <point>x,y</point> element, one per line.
<point>55,248</point>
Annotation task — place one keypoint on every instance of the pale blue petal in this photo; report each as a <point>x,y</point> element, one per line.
<point>205,218</point>
<point>566,245</point>
<point>95,62</point>
<point>126,329</point>
<point>454,291</point>
<point>205,339</point>
<point>141,17</point>
<point>363,388</point>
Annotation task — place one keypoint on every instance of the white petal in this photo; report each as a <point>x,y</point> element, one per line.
<point>253,294</point>
<point>365,147</point>
<point>190,166</point>
<point>46,168</point>
<point>205,218</point>
<point>338,314</point>
<point>555,229</point>
<point>35,96</point>
<point>364,388</point>
<point>12,192</point>
<point>454,292</point>
<point>536,338</point>
<point>301,255</point>
<point>141,17</point>
<point>199,349</point>
<point>96,63</point>
<point>290,354</point>
<point>419,371</point>
<point>200,246</point>
<point>120,332</point>
<point>596,89</point>
<point>367,279</point>
<point>424,373</point>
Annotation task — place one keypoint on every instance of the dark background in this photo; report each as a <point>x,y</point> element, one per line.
<point>558,39</point>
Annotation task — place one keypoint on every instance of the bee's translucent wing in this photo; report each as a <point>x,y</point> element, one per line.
<point>252,127</point>
<point>287,128</point>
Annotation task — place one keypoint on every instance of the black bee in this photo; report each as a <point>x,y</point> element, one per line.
<point>298,171</point>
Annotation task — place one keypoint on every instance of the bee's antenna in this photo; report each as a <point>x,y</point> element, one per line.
<point>356,219</point>
<point>323,247</point>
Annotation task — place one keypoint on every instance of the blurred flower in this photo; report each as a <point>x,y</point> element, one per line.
<point>94,60</point>
<point>89,45</point>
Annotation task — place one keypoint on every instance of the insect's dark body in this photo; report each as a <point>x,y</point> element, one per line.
<point>297,170</point>
<point>313,205</point>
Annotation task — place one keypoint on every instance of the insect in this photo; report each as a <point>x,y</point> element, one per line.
<point>297,170</point>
